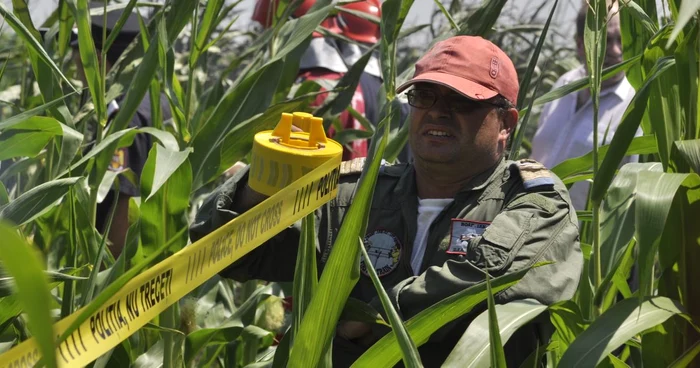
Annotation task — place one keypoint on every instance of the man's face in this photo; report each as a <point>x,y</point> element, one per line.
<point>471,138</point>
<point>613,51</point>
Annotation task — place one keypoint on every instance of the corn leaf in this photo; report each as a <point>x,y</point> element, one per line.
<point>568,168</point>
<point>688,9</point>
<point>357,310</point>
<point>65,28</point>
<point>625,133</point>
<point>685,156</point>
<point>337,102</point>
<point>166,184</point>
<point>122,138</point>
<point>527,77</point>
<point>655,195</point>
<point>385,352</point>
<point>10,308</point>
<point>447,15</point>
<point>617,225</point>
<point>305,272</point>
<point>636,29</point>
<point>16,119</point>
<point>71,141</point>
<point>480,22</point>
<point>36,201</point>
<point>175,22</point>
<point>228,331</point>
<point>206,27</point>
<point>114,32</point>
<point>616,280</point>
<point>520,132</point>
<point>409,352</point>
<point>240,103</point>
<point>137,90</point>
<point>111,142</point>
<point>663,117</point>
<point>88,57</point>
<point>44,75</point>
<point>172,87</point>
<point>568,322</point>
<point>399,138</point>
<point>166,163</point>
<point>238,141</point>
<point>297,30</point>
<point>114,287</point>
<point>678,248</point>
<point>472,348</point>
<point>614,327</point>
<point>32,43</point>
<point>29,137</point>
<point>688,357</point>
<point>582,83</point>
<point>394,14</point>
<point>4,197</point>
<point>22,263</point>
<point>498,357</point>
<point>341,272</point>
<point>688,71</point>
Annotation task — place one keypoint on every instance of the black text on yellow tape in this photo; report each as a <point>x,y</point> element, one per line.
<point>152,291</point>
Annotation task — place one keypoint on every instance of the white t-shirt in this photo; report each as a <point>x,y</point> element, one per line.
<point>428,210</point>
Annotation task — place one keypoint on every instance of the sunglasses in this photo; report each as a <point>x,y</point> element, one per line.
<point>426,98</point>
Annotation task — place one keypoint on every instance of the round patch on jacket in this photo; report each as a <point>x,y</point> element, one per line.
<point>384,250</point>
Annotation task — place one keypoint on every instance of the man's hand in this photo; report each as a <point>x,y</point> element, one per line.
<point>359,332</point>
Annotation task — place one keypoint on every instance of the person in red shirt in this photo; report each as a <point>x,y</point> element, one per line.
<point>330,58</point>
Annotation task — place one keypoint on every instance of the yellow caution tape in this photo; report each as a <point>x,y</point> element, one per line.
<point>158,287</point>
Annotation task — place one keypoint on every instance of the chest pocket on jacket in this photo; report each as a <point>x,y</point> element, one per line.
<point>495,249</point>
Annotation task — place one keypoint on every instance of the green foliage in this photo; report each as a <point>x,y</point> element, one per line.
<point>409,352</point>
<point>472,350</point>
<point>22,262</point>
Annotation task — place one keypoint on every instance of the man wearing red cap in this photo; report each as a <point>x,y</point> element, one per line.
<point>436,223</point>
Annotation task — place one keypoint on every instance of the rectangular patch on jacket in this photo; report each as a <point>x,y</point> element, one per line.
<point>461,231</point>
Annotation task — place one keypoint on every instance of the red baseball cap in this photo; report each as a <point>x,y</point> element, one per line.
<point>470,65</point>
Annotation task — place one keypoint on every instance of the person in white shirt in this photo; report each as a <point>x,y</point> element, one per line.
<point>566,125</point>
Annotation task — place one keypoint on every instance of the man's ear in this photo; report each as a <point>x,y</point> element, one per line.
<point>510,120</point>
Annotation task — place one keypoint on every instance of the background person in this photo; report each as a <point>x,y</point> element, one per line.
<point>330,58</point>
<point>514,214</point>
<point>565,127</point>
<point>132,157</point>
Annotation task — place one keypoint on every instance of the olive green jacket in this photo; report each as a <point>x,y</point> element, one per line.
<point>511,217</point>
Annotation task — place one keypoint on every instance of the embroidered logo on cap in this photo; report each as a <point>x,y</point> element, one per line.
<point>384,250</point>
<point>494,67</point>
<point>461,232</point>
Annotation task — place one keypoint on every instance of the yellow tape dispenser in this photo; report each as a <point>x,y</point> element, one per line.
<point>281,156</point>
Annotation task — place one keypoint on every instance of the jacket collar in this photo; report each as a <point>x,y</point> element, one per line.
<point>406,187</point>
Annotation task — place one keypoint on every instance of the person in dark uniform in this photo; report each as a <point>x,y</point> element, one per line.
<point>437,223</point>
<point>132,157</point>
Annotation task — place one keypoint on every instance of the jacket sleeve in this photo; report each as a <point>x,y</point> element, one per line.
<point>271,261</point>
<point>534,227</point>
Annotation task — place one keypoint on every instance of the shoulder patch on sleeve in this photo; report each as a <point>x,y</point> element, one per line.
<point>356,165</point>
<point>353,166</point>
<point>534,174</point>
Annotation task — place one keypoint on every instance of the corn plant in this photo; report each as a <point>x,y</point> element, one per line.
<point>56,145</point>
